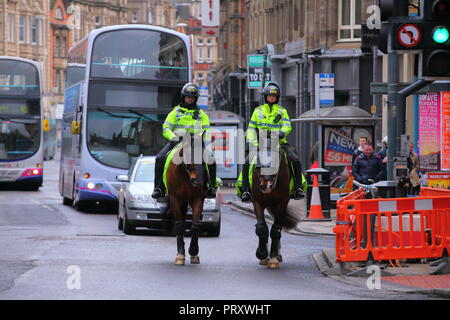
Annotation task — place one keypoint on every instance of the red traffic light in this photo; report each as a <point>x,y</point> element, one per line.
<point>441,9</point>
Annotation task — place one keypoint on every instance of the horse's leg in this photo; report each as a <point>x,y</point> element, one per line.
<point>197,207</point>
<point>275,235</point>
<point>262,231</point>
<point>180,228</point>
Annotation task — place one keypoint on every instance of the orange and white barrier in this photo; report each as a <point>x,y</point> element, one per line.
<point>389,229</point>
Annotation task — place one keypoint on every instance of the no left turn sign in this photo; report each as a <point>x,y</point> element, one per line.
<point>409,35</point>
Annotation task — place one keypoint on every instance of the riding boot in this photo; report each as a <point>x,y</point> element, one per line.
<point>297,175</point>
<point>211,194</point>
<point>159,190</point>
<point>246,195</point>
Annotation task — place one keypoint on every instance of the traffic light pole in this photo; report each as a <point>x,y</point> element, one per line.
<point>393,99</point>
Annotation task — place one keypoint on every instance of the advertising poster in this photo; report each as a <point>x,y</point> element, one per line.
<point>430,131</point>
<point>225,151</point>
<point>439,180</point>
<point>445,123</point>
<point>339,148</point>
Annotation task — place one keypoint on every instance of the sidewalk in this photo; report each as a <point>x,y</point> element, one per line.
<point>411,277</point>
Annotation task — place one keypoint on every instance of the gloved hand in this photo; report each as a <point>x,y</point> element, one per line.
<point>282,135</point>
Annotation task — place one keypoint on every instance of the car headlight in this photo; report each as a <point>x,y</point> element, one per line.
<point>209,204</point>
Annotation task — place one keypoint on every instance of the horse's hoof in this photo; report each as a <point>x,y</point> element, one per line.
<point>273,264</point>
<point>195,260</point>
<point>280,258</point>
<point>180,260</point>
<point>263,262</point>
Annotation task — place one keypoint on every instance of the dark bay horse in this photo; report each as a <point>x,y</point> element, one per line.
<point>186,185</point>
<point>270,190</point>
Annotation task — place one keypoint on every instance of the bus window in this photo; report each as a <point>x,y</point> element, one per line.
<point>139,54</point>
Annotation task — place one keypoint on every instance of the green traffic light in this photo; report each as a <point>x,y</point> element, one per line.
<point>441,35</point>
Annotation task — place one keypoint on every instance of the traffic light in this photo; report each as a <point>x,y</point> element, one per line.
<point>379,37</point>
<point>434,60</point>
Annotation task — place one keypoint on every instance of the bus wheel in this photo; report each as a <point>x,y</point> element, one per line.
<point>67,201</point>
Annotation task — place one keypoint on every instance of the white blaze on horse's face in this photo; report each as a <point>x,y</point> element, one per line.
<point>267,184</point>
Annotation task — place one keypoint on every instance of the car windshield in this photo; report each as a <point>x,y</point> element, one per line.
<point>145,172</point>
<point>116,138</point>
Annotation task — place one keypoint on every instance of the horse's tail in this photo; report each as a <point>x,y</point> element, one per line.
<point>291,219</point>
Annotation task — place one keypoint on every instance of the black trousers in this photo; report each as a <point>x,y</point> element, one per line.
<point>292,157</point>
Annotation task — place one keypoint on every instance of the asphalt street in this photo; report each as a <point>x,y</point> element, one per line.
<point>45,244</point>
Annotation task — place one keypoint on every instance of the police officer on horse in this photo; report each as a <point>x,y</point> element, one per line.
<point>185,117</point>
<point>273,118</point>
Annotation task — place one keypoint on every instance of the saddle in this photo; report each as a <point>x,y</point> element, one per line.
<point>257,163</point>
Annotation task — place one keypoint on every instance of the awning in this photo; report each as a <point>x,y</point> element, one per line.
<point>339,116</point>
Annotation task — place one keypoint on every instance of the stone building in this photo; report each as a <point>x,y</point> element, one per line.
<point>307,37</point>
<point>154,12</point>
<point>25,33</point>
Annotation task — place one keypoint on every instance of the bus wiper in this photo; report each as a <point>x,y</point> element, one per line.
<point>21,121</point>
<point>113,115</point>
<point>140,114</point>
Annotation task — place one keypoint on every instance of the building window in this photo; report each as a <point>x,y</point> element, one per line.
<point>209,54</point>
<point>98,21</point>
<point>34,30</point>
<point>135,17</point>
<point>57,81</point>
<point>59,14</point>
<point>11,28</point>
<point>22,28</point>
<point>150,18</point>
<point>200,54</point>
<point>349,19</point>
<point>200,42</point>
<point>56,47</point>
<point>62,47</point>
<point>200,76</point>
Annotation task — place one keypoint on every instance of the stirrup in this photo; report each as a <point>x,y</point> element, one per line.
<point>298,194</point>
<point>246,197</point>
<point>157,193</point>
<point>211,193</point>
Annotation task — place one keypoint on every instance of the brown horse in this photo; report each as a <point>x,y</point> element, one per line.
<point>271,191</point>
<point>186,185</point>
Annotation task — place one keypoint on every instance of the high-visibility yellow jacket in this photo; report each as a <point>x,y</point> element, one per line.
<point>182,120</point>
<point>264,118</point>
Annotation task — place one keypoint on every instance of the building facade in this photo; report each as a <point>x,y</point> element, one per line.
<point>303,38</point>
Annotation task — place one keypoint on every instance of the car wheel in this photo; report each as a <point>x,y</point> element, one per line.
<point>127,227</point>
<point>119,221</point>
<point>214,231</point>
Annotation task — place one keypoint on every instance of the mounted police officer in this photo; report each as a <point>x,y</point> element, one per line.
<point>186,117</point>
<point>274,118</point>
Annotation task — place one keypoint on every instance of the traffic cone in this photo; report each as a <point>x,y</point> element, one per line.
<point>315,211</point>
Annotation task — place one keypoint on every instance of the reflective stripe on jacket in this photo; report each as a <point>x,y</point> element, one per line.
<point>181,120</point>
<point>263,118</point>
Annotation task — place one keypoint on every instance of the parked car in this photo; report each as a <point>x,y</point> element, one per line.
<point>138,209</point>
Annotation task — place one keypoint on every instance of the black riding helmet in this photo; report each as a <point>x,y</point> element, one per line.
<point>190,90</point>
<point>271,89</point>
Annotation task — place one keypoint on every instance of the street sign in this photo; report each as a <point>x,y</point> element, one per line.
<point>409,35</point>
<point>325,89</point>
<point>202,101</point>
<point>255,70</point>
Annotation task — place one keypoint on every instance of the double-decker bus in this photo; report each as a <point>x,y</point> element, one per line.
<point>21,125</point>
<point>122,81</point>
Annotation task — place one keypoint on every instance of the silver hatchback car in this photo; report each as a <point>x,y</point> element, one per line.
<point>138,209</point>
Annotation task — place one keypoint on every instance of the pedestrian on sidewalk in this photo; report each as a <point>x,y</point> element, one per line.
<point>384,158</point>
<point>414,177</point>
<point>362,142</point>
<point>368,166</point>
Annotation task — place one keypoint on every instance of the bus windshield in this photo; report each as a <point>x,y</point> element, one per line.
<point>116,137</point>
<point>139,54</point>
<point>19,129</point>
<point>18,78</point>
